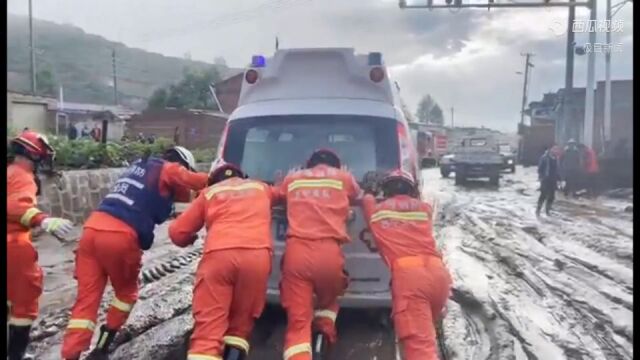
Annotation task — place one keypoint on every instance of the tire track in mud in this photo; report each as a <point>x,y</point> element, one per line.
<point>531,272</point>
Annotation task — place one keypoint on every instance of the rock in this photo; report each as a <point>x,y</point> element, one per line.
<point>628,209</point>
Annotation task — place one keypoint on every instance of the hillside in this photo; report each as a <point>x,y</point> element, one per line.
<point>82,63</point>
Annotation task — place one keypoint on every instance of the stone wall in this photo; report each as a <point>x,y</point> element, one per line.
<point>76,193</point>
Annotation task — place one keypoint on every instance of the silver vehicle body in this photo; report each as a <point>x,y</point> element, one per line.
<point>318,90</point>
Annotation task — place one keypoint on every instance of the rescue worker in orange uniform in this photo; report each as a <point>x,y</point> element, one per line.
<point>318,204</point>
<point>231,280</point>
<point>420,283</point>
<point>114,237</point>
<point>24,277</point>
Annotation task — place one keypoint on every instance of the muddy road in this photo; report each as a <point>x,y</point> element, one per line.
<point>554,287</point>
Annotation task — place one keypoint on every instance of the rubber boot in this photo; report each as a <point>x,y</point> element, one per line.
<point>104,341</point>
<point>18,342</point>
<point>320,346</point>
<point>233,353</point>
<point>538,208</point>
<point>548,208</point>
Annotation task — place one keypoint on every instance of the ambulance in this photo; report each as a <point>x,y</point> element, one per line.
<point>300,100</point>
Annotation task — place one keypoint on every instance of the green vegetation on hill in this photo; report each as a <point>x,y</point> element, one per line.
<point>82,63</point>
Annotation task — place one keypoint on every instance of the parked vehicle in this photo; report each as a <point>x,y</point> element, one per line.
<point>303,99</point>
<point>508,157</point>
<point>447,165</point>
<point>430,142</point>
<point>477,157</point>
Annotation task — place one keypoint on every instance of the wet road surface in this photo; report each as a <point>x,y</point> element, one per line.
<point>554,287</point>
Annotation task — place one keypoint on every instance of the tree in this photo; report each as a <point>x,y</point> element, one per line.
<point>436,116</point>
<point>192,92</point>
<point>429,111</point>
<point>46,83</point>
<point>158,99</point>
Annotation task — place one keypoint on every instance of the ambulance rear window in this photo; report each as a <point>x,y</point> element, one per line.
<point>265,146</point>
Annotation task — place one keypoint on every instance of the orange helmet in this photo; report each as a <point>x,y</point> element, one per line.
<point>33,145</point>
<point>222,170</point>
<point>399,182</point>
<point>324,156</point>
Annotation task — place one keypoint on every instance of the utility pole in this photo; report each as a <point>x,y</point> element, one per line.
<point>591,69</point>
<point>33,51</point>
<point>563,126</point>
<point>452,117</point>
<point>607,84</point>
<point>115,78</point>
<point>527,65</point>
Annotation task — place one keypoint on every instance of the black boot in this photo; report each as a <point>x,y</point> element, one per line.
<point>104,341</point>
<point>320,346</point>
<point>538,208</point>
<point>18,341</point>
<point>548,208</point>
<point>233,353</point>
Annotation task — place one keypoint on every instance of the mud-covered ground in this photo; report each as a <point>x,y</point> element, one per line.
<point>554,287</point>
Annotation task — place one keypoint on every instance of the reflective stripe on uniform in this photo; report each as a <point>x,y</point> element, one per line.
<point>398,215</point>
<point>191,356</point>
<point>315,183</point>
<point>326,314</point>
<point>81,324</point>
<point>218,189</point>
<point>297,349</point>
<point>137,184</point>
<point>237,341</point>
<point>20,321</point>
<point>121,305</point>
<point>28,216</point>
<point>122,198</point>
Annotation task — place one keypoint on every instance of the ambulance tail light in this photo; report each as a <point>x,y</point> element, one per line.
<point>376,74</point>
<point>251,76</point>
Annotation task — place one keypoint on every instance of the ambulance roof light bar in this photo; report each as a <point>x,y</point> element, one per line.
<point>258,61</point>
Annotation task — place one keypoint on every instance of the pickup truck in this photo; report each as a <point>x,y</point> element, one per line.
<point>477,157</point>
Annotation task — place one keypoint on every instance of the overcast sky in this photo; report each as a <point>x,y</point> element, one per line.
<point>465,59</point>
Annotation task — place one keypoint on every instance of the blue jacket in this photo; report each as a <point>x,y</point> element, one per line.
<point>135,199</point>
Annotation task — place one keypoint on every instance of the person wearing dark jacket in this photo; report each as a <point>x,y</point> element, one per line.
<point>548,175</point>
<point>571,164</point>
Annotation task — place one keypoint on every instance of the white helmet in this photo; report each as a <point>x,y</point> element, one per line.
<point>186,156</point>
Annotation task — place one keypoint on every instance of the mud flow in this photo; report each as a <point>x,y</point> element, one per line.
<point>553,287</point>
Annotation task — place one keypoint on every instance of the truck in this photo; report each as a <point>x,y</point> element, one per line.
<point>430,143</point>
<point>477,157</point>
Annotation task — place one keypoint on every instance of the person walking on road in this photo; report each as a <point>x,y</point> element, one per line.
<point>24,276</point>
<point>402,229</point>
<point>113,239</point>
<point>231,281</point>
<point>548,175</point>
<point>591,169</point>
<point>571,164</point>
<point>318,204</point>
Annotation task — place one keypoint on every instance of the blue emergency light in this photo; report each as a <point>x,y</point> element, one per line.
<point>375,58</point>
<point>258,61</point>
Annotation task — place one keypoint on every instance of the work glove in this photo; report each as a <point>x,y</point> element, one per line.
<point>57,227</point>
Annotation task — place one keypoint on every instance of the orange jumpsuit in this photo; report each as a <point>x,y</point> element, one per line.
<point>24,276</point>
<point>318,202</point>
<point>420,283</point>
<point>108,250</point>
<point>231,280</point>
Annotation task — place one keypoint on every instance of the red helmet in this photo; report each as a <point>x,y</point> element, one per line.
<point>33,145</point>
<point>222,170</point>
<point>399,182</point>
<point>324,156</point>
